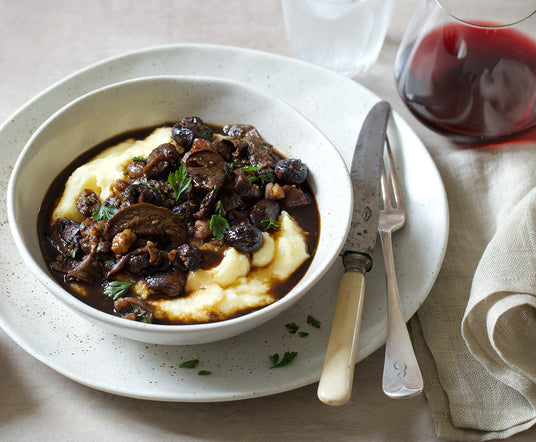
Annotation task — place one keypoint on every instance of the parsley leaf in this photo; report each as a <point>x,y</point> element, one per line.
<point>274,359</point>
<point>288,357</point>
<point>117,289</point>
<point>142,180</point>
<point>303,334</point>
<point>204,373</point>
<point>192,363</point>
<point>313,321</point>
<point>179,182</point>
<point>218,225</point>
<point>104,213</point>
<point>143,160</point>
<point>270,224</point>
<point>250,168</point>
<point>267,175</point>
<point>292,327</point>
<point>218,209</point>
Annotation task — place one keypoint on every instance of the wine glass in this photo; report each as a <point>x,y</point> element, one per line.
<point>467,68</point>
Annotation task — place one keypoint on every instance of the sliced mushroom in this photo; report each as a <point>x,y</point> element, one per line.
<point>134,309</point>
<point>88,270</point>
<point>224,147</point>
<point>206,204</point>
<point>160,160</point>
<point>240,130</point>
<point>148,221</point>
<point>243,186</point>
<point>294,197</point>
<point>206,167</point>
<point>65,234</point>
<point>259,153</point>
<point>143,259</point>
<point>169,284</point>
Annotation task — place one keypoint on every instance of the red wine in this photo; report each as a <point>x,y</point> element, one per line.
<point>472,83</point>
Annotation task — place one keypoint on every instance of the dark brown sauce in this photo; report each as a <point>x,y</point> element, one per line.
<point>306,216</point>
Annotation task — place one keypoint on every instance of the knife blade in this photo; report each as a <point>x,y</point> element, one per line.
<point>335,386</point>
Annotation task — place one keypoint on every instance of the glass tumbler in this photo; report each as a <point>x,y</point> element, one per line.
<point>467,69</point>
<point>343,35</point>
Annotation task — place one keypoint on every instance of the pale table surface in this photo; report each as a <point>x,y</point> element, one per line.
<point>43,41</point>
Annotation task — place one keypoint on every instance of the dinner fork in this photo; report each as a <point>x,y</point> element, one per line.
<point>401,374</point>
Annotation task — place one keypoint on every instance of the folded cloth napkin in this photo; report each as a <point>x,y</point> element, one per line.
<point>499,325</point>
<point>475,335</point>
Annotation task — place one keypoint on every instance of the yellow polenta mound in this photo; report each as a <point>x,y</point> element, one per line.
<point>239,282</point>
<point>100,173</point>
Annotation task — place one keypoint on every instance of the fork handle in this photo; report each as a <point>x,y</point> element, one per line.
<point>402,377</point>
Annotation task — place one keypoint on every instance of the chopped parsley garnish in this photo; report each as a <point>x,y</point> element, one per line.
<point>267,176</point>
<point>250,168</point>
<point>104,213</point>
<point>141,316</point>
<point>292,327</point>
<point>192,363</point>
<point>303,334</point>
<point>117,289</point>
<point>143,160</point>
<point>313,321</point>
<point>270,224</point>
<point>143,181</point>
<point>179,182</point>
<point>218,225</point>
<point>287,358</point>
<point>218,209</point>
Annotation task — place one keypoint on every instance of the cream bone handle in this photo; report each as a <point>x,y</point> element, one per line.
<point>335,386</point>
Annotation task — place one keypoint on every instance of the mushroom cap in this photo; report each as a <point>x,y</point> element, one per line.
<point>148,221</point>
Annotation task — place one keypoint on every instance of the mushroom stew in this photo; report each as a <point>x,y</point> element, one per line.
<point>174,211</point>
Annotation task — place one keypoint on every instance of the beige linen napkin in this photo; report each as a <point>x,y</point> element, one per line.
<point>483,387</point>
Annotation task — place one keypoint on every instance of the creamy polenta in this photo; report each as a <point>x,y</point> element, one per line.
<point>240,282</point>
<point>100,173</point>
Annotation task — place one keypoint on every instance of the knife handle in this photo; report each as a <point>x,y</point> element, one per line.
<point>335,386</point>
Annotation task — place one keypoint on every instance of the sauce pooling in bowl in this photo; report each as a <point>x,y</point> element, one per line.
<point>184,223</point>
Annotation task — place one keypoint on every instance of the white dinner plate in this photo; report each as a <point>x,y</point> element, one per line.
<point>240,367</point>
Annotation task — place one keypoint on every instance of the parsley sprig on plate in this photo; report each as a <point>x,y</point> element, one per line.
<point>287,358</point>
<point>193,363</point>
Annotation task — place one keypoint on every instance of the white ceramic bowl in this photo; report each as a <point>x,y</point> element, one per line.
<point>144,102</point>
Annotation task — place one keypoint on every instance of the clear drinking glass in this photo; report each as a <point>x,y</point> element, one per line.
<point>467,68</point>
<point>343,35</point>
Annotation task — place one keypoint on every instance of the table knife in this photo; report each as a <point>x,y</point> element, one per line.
<point>335,386</point>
